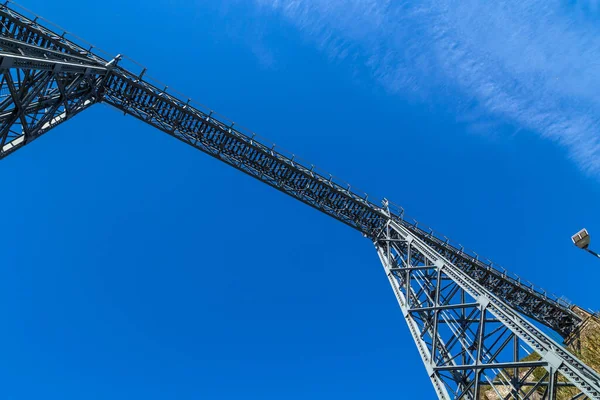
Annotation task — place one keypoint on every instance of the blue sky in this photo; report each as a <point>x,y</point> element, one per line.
<point>138,267</point>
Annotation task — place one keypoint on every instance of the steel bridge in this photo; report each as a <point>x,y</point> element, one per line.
<point>472,323</point>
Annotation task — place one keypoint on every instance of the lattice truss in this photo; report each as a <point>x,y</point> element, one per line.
<point>472,344</point>
<point>466,317</point>
<point>41,89</point>
<point>133,95</point>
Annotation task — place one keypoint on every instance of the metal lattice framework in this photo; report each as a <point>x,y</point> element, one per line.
<point>37,93</point>
<point>468,319</point>
<point>471,342</point>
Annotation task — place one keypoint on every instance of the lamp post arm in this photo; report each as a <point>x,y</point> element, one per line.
<point>592,252</point>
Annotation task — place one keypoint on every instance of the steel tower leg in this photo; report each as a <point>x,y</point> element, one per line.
<point>466,318</point>
<point>38,93</point>
<point>473,345</point>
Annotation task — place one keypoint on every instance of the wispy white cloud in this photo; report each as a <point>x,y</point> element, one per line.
<point>534,63</point>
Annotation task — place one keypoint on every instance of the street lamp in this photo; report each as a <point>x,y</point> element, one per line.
<point>582,240</point>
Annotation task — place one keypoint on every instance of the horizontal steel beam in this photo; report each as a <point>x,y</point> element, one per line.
<point>154,106</point>
<point>26,44</point>
<point>9,60</point>
<point>14,25</point>
<point>524,364</point>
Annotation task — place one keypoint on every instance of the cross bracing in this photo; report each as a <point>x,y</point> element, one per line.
<point>471,342</point>
<point>46,78</point>
<point>36,96</point>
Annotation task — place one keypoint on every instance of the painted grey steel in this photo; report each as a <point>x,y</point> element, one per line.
<point>472,343</point>
<point>199,128</point>
<point>450,299</point>
<point>37,94</point>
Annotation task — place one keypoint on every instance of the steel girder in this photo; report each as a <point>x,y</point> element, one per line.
<point>37,94</point>
<point>473,344</point>
<point>469,340</point>
<point>176,117</point>
<point>133,95</point>
<point>527,299</point>
<point>45,80</point>
<point>24,31</point>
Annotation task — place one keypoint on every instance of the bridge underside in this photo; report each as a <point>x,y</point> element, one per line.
<point>465,316</point>
<point>37,94</point>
